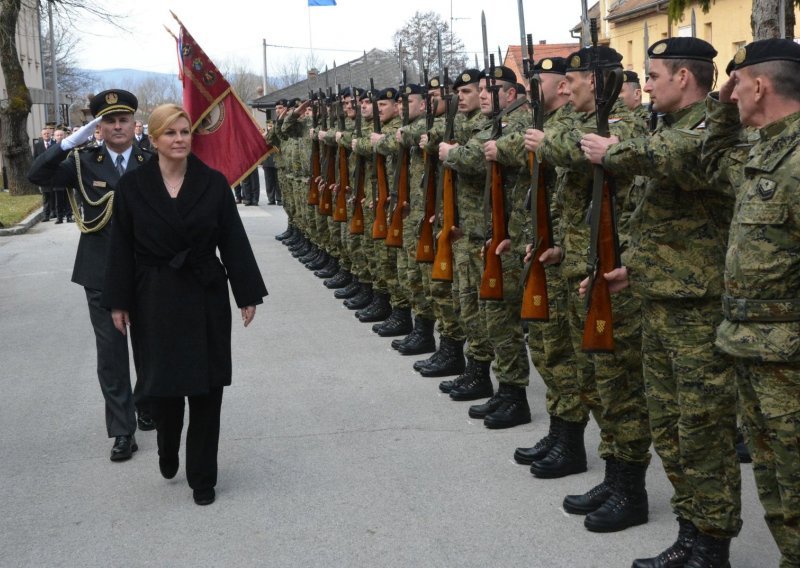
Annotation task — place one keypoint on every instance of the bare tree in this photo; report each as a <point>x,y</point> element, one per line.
<point>764,17</point>
<point>153,91</point>
<point>244,81</point>
<point>72,80</point>
<point>419,32</point>
<point>289,72</point>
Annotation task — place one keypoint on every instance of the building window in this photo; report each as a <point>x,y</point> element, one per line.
<point>707,32</point>
<point>685,31</point>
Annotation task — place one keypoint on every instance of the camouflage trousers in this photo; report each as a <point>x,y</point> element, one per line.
<point>553,355</point>
<point>612,386</point>
<point>346,247</point>
<point>444,303</point>
<point>335,237</point>
<point>387,262</point>
<point>468,264</point>
<point>321,225</point>
<point>504,326</point>
<point>283,181</point>
<point>409,272</point>
<point>691,397</point>
<point>769,396</point>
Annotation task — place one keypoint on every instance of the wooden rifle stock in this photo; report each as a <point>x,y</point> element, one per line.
<point>326,198</point>
<point>394,236</point>
<point>443,260</point>
<point>340,211</point>
<point>379,226</point>
<point>535,302</point>
<point>316,168</point>
<point>492,280</point>
<point>357,218</point>
<point>425,251</point>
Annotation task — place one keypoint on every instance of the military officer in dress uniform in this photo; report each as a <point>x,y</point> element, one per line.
<point>94,172</point>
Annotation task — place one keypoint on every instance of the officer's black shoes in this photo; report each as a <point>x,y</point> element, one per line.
<point>420,340</point>
<point>348,291</point>
<point>596,496</point>
<point>627,506</point>
<point>566,457</point>
<point>378,310</point>
<point>741,448</point>
<point>676,555</point>
<point>329,270</point>
<point>145,422</point>
<point>526,456</point>
<point>398,323</point>
<point>123,448</point>
<point>475,386</point>
<point>361,300</point>
<point>204,496</point>
<point>342,279</point>
<point>449,362</point>
<point>513,409</point>
<point>710,552</point>
<point>320,262</point>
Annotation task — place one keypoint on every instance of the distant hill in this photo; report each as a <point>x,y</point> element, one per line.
<point>125,78</point>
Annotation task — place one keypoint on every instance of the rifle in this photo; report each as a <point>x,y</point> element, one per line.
<point>535,303</point>
<point>394,237</point>
<point>357,218</point>
<point>326,198</point>
<point>446,195</point>
<point>313,189</point>
<point>425,235</point>
<point>491,287</point>
<point>340,211</point>
<point>604,256</point>
<point>381,199</point>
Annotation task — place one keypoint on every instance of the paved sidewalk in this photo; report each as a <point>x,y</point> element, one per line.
<point>333,451</point>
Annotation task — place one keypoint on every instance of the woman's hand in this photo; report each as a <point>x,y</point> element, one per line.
<point>248,313</point>
<point>121,320</point>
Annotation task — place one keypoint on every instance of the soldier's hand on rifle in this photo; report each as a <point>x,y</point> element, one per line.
<point>406,209</point>
<point>311,133</point>
<point>444,150</point>
<point>503,247</point>
<point>617,281</point>
<point>533,138</point>
<point>423,141</point>
<point>322,134</point>
<point>338,136</point>
<point>595,146</point>
<point>399,135</point>
<point>490,151</point>
<point>726,90</point>
<point>455,233</point>
<point>552,256</point>
<point>375,137</point>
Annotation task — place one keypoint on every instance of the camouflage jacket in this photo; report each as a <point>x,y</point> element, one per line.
<point>561,148</point>
<point>410,139</point>
<point>679,229</point>
<point>761,304</point>
<point>366,152</point>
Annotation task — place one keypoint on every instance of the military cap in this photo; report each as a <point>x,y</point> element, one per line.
<point>348,92</point>
<point>501,73</point>
<point>293,102</point>
<point>682,48</point>
<point>467,77</point>
<point>521,90</point>
<point>49,124</point>
<point>765,50</point>
<point>583,59</point>
<point>388,94</point>
<point>631,77</point>
<point>557,65</point>
<point>412,89</point>
<point>111,101</point>
<point>281,102</point>
<point>435,83</point>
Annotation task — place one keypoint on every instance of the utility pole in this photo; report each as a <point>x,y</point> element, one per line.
<point>265,65</point>
<point>53,62</point>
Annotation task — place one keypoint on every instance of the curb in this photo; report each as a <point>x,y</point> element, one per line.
<point>24,225</point>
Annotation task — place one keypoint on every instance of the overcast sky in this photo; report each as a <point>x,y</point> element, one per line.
<point>234,29</point>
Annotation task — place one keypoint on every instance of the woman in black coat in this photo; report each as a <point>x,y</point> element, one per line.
<point>164,280</point>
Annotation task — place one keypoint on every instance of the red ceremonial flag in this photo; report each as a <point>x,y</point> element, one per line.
<point>225,135</point>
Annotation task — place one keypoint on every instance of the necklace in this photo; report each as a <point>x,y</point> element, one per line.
<point>173,189</point>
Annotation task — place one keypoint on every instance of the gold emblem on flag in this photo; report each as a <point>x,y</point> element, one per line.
<point>659,49</point>
<point>112,98</point>
<point>740,56</point>
<point>600,326</point>
<point>547,64</point>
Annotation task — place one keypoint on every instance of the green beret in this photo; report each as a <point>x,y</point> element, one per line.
<point>583,59</point>
<point>467,77</point>
<point>388,94</point>
<point>501,73</point>
<point>413,89</point>
<point>631,77</point>
<point>557,65</point>
<point>682,48</point>
<point>765,50</point>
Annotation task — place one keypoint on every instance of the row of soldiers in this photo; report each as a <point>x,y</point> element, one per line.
<point>706,211</point>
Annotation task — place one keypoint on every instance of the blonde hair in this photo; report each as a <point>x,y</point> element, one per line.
<point>162,118</point>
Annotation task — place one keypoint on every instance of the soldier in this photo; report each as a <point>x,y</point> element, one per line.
<point>470,167</point>
<point>611,384</point>
<point>274,138</point>
<point>691,393</point>
<point>631,94</point>
<point>760,303</point>
<point>94,172</point>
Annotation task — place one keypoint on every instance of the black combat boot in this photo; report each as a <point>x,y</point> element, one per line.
<point>286,234</point>
<point>398,323</point>
<point>360,300</point>
<point>710,552</point>
<point>321,261</point>
<point>311,256</point>
<point>295,238</point>
<point>447,386</point>
<point>302,249</point>
<point>477,385</point>
<point>348,291</point>
<point>513,410</point>
<point>526,456</point>
<point>342,279</point>
<point>450,360</point>
<point>329,270</point>
<point>566,457</point>
<point>378,310</point>
<point>627,506</point>
<point>421,340</point>
<point>422,363</point>
<point>596,496</point>
<point>677,554</point>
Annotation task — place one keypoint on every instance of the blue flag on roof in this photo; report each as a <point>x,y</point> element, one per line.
<point>322,2</point>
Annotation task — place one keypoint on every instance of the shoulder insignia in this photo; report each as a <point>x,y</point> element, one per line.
<point>139,158</point>
<point>99,158</point>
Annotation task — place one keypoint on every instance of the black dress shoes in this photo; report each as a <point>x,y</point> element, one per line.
<point>145,422</point>
<point>123,448</point>
<point>204,496</point>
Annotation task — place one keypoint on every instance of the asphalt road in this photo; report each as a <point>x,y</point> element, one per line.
<point>333,452</point>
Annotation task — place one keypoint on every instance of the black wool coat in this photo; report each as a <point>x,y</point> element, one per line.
<point>162,267</point>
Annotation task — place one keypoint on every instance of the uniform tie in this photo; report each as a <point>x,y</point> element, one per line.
<point>120,168</point>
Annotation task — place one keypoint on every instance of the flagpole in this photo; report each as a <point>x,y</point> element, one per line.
<point>310,41</point>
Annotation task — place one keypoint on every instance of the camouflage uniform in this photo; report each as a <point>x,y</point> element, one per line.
<point>332,227</point>
<point>363,248</point>
<point>372,247</point>
<point>675,256</point>
<point>611,384</point>
<point>470,167</point>
<point>761,325</point>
